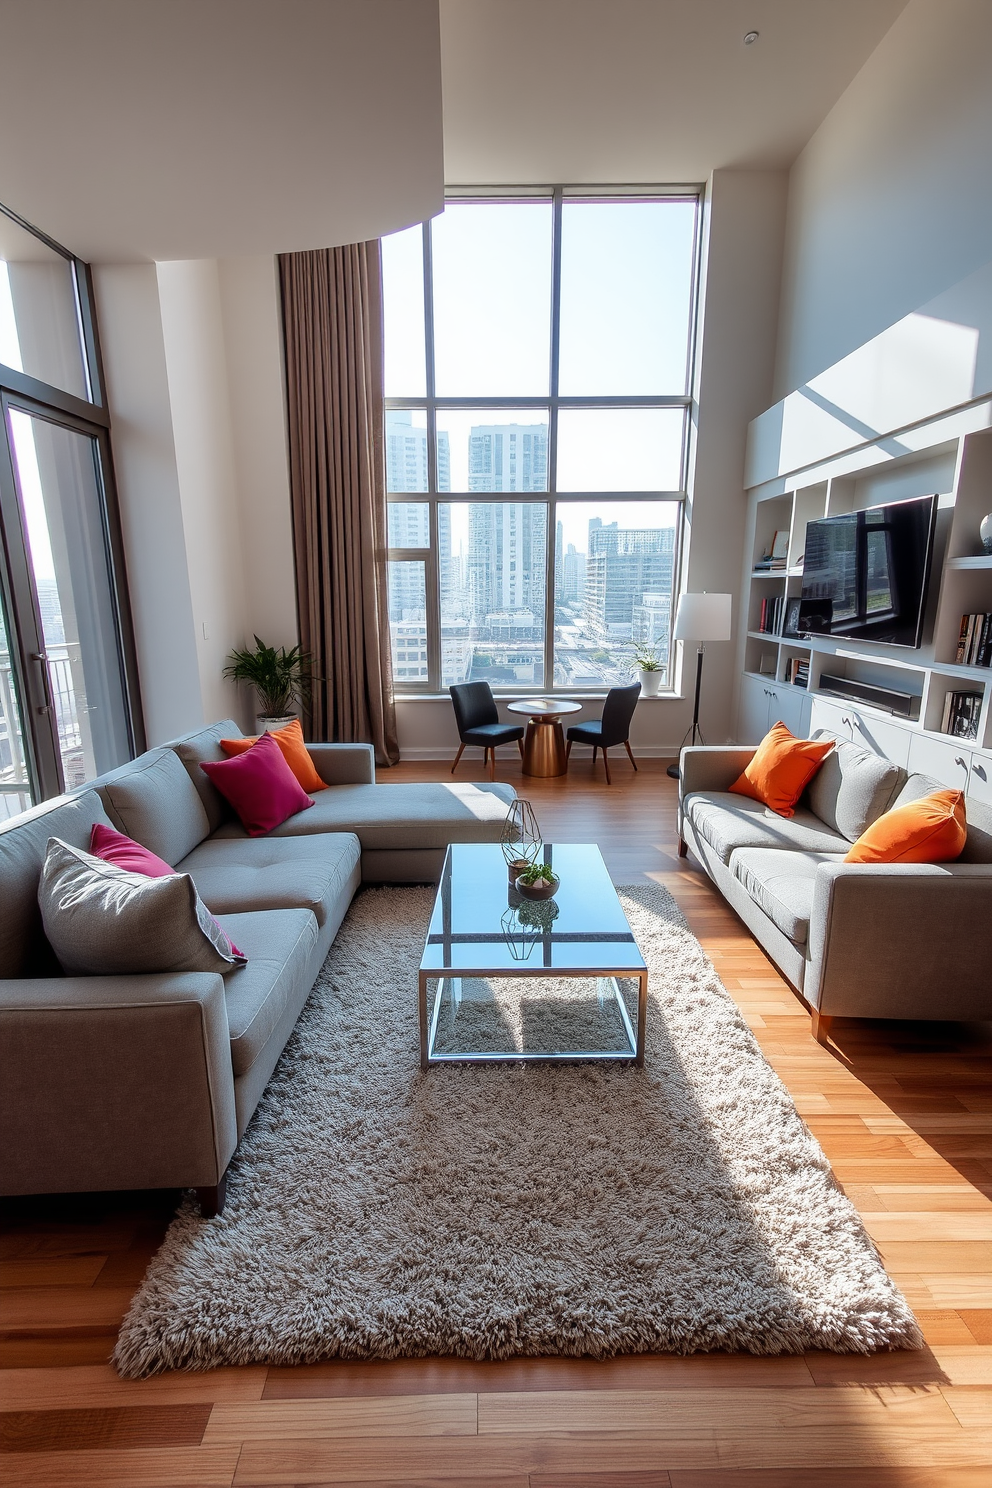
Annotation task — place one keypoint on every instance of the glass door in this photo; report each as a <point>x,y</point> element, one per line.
<point>15,779</point>
<point>62,579</point>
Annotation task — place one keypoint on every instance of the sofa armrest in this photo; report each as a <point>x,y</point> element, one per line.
<point>115,1082</point>
<point>901,940</point>
<point>344,764</point>
<point>711,767</point>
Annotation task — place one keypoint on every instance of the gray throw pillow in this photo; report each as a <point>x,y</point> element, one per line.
<point>103,921</point>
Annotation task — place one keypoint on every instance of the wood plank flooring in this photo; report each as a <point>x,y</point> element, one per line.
<point>904,1112</point>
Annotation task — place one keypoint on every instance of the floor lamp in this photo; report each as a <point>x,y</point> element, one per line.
<point>699,617</point>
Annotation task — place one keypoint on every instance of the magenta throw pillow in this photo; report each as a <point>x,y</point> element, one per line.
<point>259,785</point>
<point>113,847</point>
<point>124,852</point>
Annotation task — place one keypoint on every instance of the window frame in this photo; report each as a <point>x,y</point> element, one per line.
<point>552,403</point>
<point>91,418</point>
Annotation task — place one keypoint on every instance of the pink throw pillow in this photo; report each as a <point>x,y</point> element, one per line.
<point>123,852</point>
<point>259,785</point>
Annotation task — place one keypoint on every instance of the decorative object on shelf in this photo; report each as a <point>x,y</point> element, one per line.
<point>975,640</point>
<point>985,533</point>
<point>539,881</point>
<point>777,555</point>
<point>766,663</point>
<point>792,608</point>
<point>960,715</point>
<point>520,838</point>
<point>650,669</point>
<point>280,678</point>
<point>700,617</point>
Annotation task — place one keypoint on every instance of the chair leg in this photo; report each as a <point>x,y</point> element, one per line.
<point>626,745</point>
<point>595,751</point>
<point>568,749</point>
<point>821,1026</point>
<point>492,764</point>
<point>461,751</point>
<point>606,766</point>
<point>520,747</point>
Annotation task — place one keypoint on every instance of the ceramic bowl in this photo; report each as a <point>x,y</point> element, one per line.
<point>537,891</point>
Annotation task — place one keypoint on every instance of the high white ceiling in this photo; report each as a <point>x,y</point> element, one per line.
<point>642,90</point>
<point>159,129</point>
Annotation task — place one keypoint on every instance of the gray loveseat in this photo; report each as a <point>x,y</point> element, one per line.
<point>150,1081</point>
<point>856,940</point>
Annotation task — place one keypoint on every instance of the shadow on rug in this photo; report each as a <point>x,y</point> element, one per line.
<point>375,1211</point>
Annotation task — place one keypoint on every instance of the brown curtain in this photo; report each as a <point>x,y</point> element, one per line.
<point>332,325</point>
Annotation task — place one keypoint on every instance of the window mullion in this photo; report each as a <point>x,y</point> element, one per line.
<point>552,522</point>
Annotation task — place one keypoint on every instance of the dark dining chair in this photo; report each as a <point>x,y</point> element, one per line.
<point>478,723</point>
<point>613,728</point>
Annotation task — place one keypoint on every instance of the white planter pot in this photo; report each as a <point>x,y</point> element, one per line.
<point>651,683</point>
<point>264,724</point>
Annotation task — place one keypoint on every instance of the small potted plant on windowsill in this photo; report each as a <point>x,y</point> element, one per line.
<point>281,680</point>
<point>650,670</point>
<point>539,881</point>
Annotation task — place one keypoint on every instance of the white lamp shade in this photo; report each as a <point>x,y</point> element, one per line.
<point>702,617</point>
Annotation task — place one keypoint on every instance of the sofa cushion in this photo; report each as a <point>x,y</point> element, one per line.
<point>24,947</point>
<point>260,785</point>
<point>103,921</point>
<point>279,944</point>
<point>192,750</point>
<point>154,801</point>
<point>255,873</point>
<point>852,788</point>
<point>427,814</point>
<point>781,884</point>
<point>729,821</point>
<point>781,768</point>
<point>929,830</point>
<point>290,741</point>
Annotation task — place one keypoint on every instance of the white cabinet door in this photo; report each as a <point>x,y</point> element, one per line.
<point>792,706</point>
<point>890,739</point>
<point>980,784</point>
<point>752,724</point>
<point>949,763</point>
<point>836,718</point>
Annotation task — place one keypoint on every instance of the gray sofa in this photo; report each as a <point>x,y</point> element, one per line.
<point>150,1081</point>
<point>856,940</point>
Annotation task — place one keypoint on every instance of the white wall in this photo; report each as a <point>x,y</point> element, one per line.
<point>148,485</point>
<point>890,203</point>
<point>743,227</point>
<point>196,360</point>
<point>249,292</point>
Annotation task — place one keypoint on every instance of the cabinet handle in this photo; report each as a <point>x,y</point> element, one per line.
<point>961,762</point>
<point>980,772</point>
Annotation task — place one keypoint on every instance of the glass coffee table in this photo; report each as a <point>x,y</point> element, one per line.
<point>517,980</point>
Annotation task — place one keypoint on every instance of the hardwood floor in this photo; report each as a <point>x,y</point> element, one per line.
<point>904,1112</point>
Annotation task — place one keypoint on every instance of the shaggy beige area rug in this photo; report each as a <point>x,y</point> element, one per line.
<point>376,1211</point>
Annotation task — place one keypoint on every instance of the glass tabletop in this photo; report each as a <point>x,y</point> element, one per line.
<point>481,924</point>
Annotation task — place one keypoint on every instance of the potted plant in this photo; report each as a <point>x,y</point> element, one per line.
<point>539,881</point>
<point>281,680</point>
<point>650,670</point>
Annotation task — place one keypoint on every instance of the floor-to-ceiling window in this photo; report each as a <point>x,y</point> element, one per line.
<point>68,701</point>
<point>538,357</point>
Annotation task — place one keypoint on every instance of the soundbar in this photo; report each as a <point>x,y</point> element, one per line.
<point>888,699</point>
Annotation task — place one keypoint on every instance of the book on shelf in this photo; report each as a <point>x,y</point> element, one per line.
<point>975,640</point>
<point>772,611</point>
<point>797,671</point>
<point>960,715</point>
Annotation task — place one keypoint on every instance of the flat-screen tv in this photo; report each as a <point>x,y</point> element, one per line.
<point>865,574</point>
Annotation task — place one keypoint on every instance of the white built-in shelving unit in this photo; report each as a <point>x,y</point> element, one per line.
<point>959,470</point>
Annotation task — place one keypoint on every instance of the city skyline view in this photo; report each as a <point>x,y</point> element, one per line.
<point>593,341</point>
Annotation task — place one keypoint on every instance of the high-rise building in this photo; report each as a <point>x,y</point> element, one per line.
<point>409,521</point>
<point>573,576</point>
<point>623,565</point>
<point>506,557</point>
<point>508,457</point>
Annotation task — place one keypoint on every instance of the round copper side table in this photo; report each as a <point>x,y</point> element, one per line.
<point>544,742</point>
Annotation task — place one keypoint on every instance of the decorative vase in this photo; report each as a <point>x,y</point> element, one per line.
<point>985,533</point>
<point>651,682</point>
<point>266,723</point>
<point>537,892</point>
<point>520,838</point>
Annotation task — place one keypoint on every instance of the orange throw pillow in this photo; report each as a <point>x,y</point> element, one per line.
<point>290,741</point>
<point>931,830</point>
<point>781,769</point>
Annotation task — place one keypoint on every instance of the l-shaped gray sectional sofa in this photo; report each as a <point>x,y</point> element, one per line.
<point>150,1081</point>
